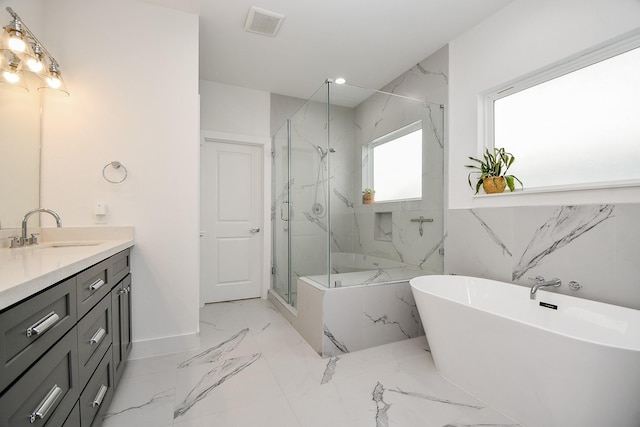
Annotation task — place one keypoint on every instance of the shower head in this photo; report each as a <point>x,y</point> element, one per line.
<point>323,153</point>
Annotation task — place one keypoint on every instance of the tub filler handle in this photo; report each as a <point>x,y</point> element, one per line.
<point>574,286</point>
<point>421,219</point>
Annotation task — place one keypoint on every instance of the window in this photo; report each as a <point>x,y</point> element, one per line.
<point>575,124</point>
<point>393,166</point>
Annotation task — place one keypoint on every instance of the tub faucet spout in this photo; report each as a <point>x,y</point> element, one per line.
<point>541,283</point>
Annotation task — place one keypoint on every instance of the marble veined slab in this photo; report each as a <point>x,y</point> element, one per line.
<point>28,270</point>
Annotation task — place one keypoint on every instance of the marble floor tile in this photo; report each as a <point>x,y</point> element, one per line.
<point>271,412</point>
<point>253,369</point>
<point>142,400</point>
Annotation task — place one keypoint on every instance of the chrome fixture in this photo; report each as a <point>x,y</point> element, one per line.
<point>20,50</point>
<point>541,283</point>
<point>574,286</point>
<point>33,240</point>
<point>117,166</point>
<point>421,219</point>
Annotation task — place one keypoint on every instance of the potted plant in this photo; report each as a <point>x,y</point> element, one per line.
<point>368,196</point>
<point>492,172</point>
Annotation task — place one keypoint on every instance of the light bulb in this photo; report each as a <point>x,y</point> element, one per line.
<point>340,81</point>
<point>35,65</point>
<point>54,82</point>
<point>11,77</point>
<point>17,44</point>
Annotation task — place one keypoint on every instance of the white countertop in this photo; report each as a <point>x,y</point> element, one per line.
<point>28,270</point>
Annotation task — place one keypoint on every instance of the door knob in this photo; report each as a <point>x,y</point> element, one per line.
<point>255,229</point>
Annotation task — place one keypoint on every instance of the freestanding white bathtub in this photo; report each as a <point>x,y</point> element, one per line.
<point>577,364</point>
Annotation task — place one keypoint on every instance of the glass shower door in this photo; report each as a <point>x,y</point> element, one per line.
<point>308,196</point>
<point>300,188</point>
<point>280,214</point>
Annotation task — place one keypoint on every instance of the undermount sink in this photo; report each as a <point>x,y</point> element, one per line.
<point>67,244</point>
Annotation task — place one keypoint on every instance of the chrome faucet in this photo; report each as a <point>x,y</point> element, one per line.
<point>24,241</point>
<point>541,283</point>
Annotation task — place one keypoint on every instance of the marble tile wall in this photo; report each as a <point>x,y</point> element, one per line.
<point>352,223</point>
<point>596,245</point>
<point>342,320</point>
<point>379,115</point>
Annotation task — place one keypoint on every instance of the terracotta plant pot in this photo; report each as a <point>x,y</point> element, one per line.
<point>368,199</point>
<point>494,184</point>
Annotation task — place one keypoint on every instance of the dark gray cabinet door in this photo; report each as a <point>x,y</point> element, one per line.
<point>96,396</point>
<point>47,392</point>
<point>30,328</point>
<point>73,420</point>
<point>120,266</point>
<point>93,285</point>
<point>94,338</point>
<point>121,304</point>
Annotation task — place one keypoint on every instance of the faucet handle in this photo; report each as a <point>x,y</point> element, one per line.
<point>16,241</point>
<point>33,240</point>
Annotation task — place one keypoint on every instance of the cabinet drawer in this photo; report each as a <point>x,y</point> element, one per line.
<point>94,338</point>
<point>120,266</point>
<point>93,285</point>
<point>73,420</point>
<point>28,329</point>
<point>46,393</point>
<point>97,395</point>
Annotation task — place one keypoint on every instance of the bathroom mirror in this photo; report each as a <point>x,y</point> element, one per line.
<point>19,154</point>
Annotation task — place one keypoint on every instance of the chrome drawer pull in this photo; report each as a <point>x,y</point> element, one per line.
<point>98,336</point>
<point>98,400</point>
<point>43,324</point>
<point>46,404</point>
<point>96,285</point>
<point>124,290</point>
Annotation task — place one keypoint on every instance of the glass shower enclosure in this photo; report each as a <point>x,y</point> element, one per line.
<point>341,141</point>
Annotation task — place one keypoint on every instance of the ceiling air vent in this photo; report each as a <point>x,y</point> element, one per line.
<point>262,21</point>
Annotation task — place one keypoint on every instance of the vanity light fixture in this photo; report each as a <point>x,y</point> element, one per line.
<point>11,72</point>
<point>21,51</point>
<point>13,37</point>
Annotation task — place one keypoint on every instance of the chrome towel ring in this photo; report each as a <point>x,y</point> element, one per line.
<point>117,166</point>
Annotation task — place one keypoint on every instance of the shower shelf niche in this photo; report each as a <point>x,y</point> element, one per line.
<point>383,227</point>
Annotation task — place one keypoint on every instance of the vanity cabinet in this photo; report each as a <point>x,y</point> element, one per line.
<point>121,307</point>
<point>60,349</point>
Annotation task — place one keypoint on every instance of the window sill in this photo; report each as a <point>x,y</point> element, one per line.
<point>569,187</point>
<point>577,194</point>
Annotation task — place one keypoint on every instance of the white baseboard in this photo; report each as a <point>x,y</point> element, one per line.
<point>162,346</point>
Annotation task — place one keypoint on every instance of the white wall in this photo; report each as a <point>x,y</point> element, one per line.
<point>132,70</point>
<point>234,109</point>
<point>519,39</point>
<point>239,115</point>
<point>589,236</point>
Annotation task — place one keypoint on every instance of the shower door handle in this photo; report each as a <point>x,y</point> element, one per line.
<point>254,230</point>
<point>284,209</point>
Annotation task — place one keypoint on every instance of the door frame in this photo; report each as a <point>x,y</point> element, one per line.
<point>265,143</point>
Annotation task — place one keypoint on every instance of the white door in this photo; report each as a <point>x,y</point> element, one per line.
<point>231,221</point>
